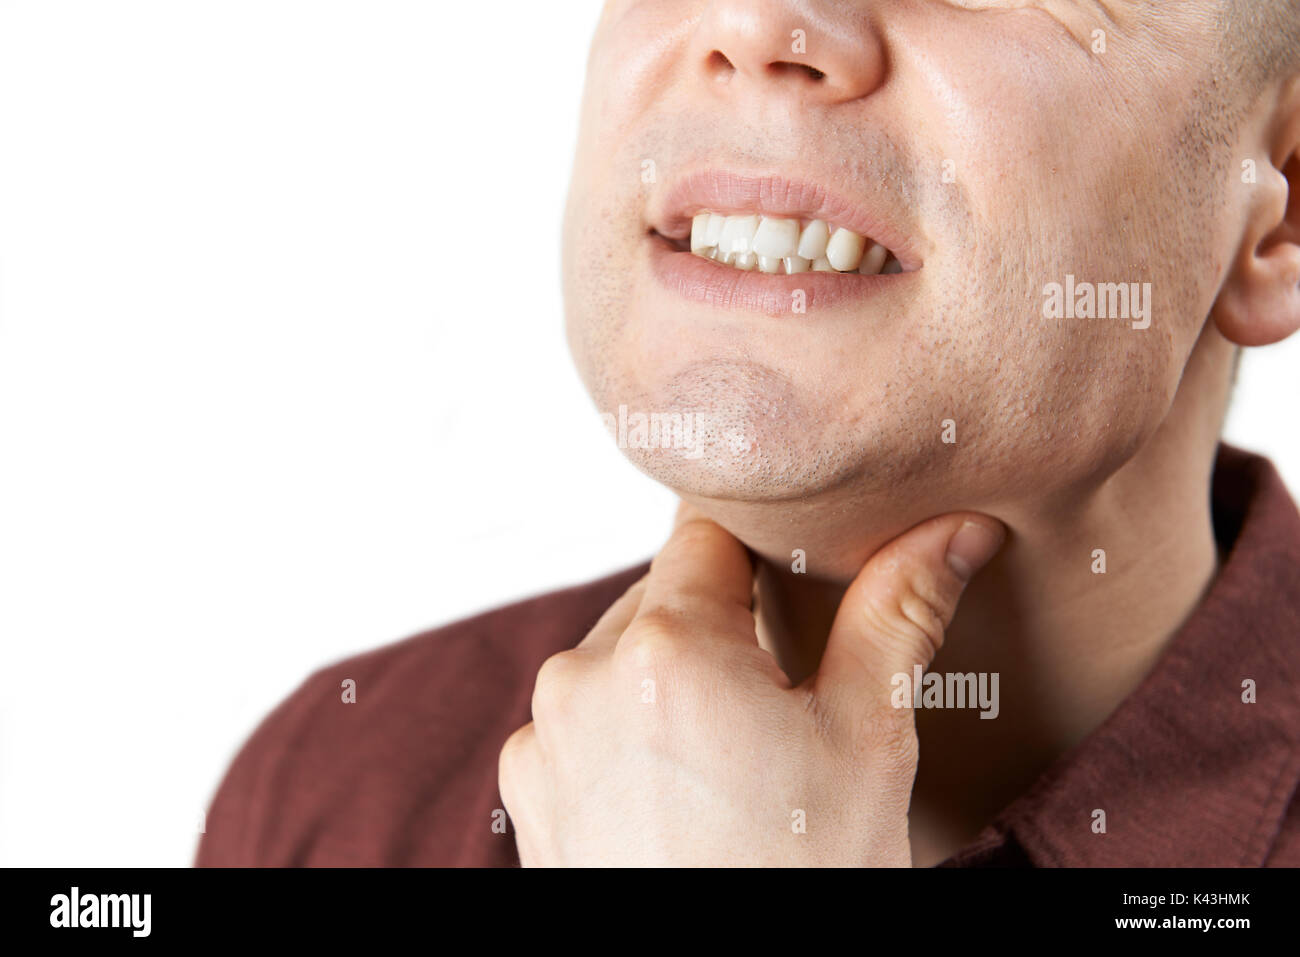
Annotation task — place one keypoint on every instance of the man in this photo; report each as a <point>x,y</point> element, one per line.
<point>913,303</point>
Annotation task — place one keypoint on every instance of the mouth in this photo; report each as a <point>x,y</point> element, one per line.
<point>764,242</point>
<point>779,245</point>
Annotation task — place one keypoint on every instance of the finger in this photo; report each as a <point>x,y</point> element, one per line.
<point>702,575</point>
<point>686,512</point>
<point>605,633</point>
<point>520,781</point>
<point>894,614</point>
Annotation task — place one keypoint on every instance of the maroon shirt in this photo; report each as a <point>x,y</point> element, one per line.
<point>1189,775</point>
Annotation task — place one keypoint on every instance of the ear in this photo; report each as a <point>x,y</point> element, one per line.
<point>1259,303</point>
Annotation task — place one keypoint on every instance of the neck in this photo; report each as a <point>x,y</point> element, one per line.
<point>1068,641</point>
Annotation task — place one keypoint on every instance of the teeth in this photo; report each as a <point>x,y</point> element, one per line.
<point>873,260</point>
<point>812,243</point>
<point>775,245</point>
<point>738,234</point>
<point>776,238</point>
<point>713,232</point>
<point>699,229</point>
<point>845,250</point>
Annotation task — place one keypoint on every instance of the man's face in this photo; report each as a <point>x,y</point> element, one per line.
<point>994,147</point>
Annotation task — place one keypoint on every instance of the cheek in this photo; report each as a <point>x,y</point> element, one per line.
<point>1041,402</point>
<point>1076,395</point>
<point>599,282</point>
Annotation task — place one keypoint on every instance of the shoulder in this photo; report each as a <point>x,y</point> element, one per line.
<point>390,757</point>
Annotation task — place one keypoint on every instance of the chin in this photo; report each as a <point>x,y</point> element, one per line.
<point>718,472</point>
<point>735,466</point>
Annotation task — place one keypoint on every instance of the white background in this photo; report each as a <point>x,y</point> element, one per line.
<point>283,378</point>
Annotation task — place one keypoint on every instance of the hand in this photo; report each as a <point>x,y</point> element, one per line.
<point>669,737</point>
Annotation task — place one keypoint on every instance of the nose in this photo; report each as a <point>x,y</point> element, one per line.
<point>823,53</point>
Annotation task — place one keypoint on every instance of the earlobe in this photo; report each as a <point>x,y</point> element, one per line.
<point>1259,303</point>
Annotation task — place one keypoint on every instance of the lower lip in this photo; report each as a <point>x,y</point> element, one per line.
<point>723,287</point>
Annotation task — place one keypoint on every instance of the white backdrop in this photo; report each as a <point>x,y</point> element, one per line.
<point>262,403</point>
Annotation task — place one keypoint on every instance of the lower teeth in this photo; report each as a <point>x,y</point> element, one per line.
<point>749,262</point>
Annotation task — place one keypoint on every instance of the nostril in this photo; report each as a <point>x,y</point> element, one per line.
<point>782,68</point>
<point>718,63</point>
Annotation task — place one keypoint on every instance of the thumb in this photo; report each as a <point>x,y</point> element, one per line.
<point>895,612</point>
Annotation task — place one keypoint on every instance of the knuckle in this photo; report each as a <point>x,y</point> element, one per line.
<point>653,642</point>
<point>915,616</point>
<point>555,682</point>
<point>512,758</point>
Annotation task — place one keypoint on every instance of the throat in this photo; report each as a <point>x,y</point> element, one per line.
<point>793,616</point>
<point>1068,639</point>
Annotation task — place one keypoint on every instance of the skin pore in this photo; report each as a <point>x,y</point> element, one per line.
<point>1114,166</point>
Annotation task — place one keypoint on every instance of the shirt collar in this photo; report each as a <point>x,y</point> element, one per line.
<point>1185,771</point>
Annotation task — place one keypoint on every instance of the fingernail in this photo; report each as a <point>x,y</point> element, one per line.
<point>973,546</point>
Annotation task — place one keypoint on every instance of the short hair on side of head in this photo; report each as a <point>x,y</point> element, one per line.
<point>1258,46</point>
<point>1261,40</point>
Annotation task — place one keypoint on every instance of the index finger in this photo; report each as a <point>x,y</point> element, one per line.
<point>704,575</point>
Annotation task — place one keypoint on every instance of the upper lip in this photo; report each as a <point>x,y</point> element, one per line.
<point>728,192</point>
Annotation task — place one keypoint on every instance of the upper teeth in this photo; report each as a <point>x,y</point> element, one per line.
<point>772,244</point>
